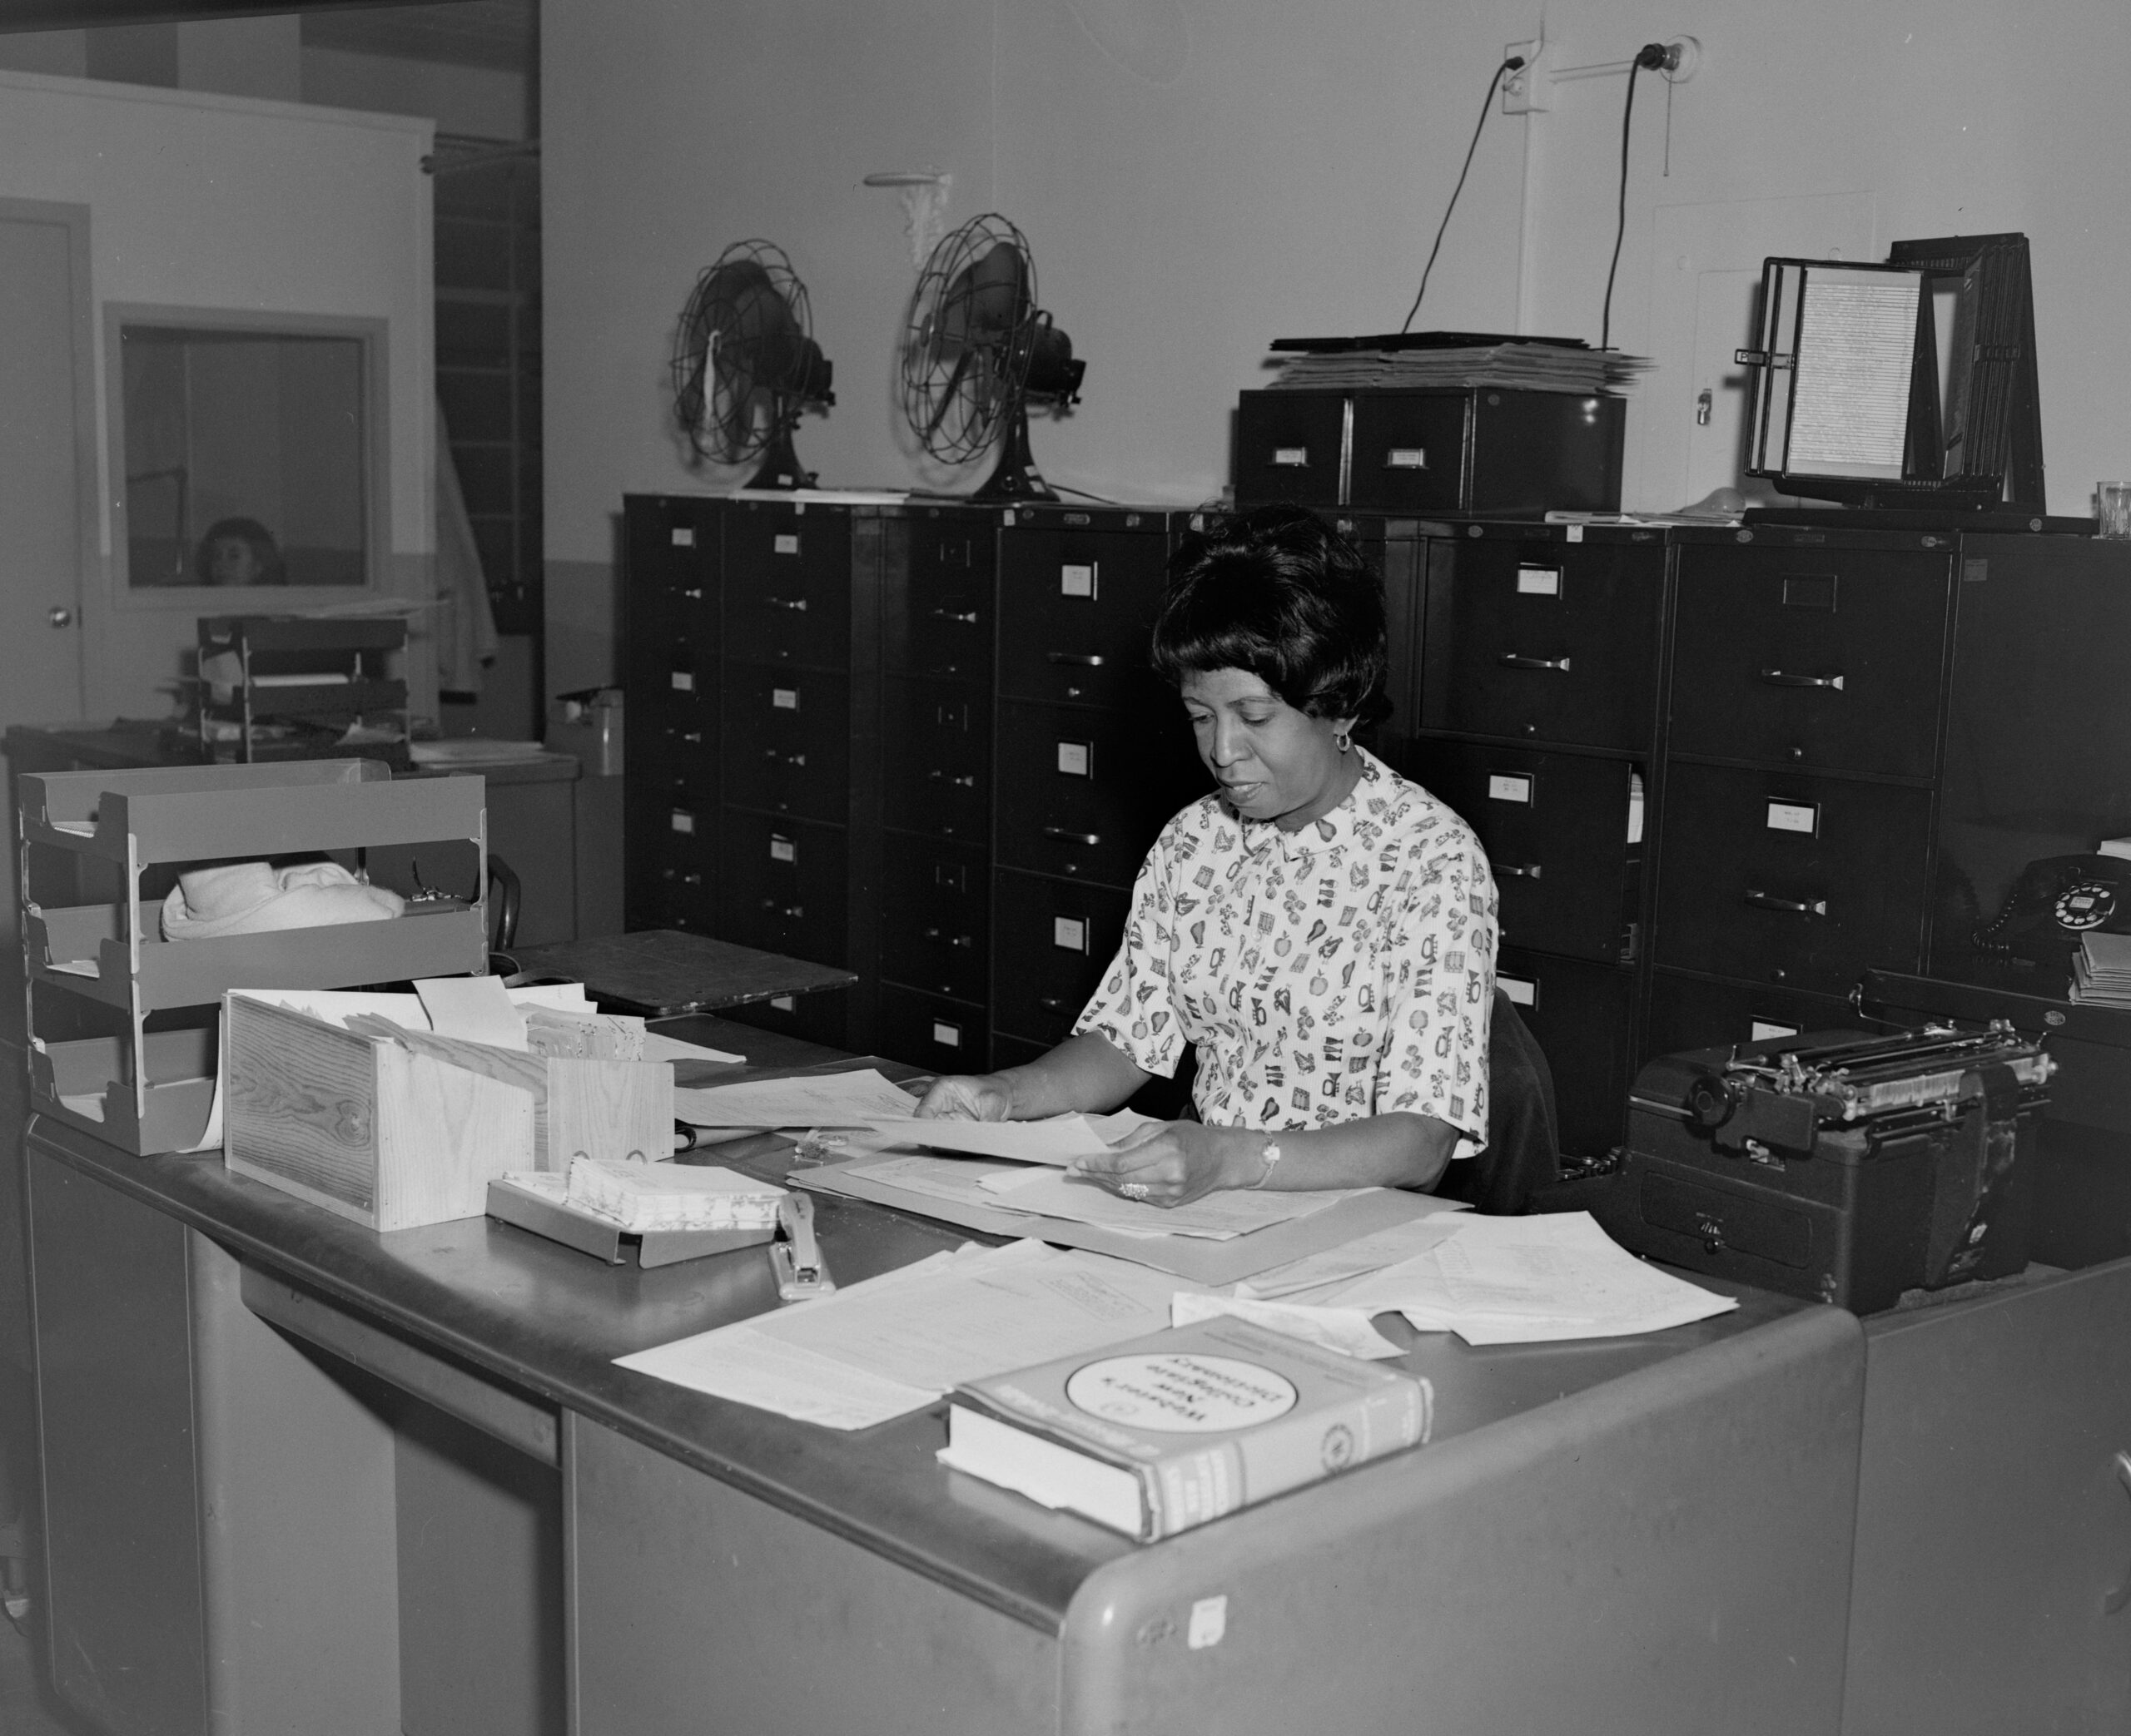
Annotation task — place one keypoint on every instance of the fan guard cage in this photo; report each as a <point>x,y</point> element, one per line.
<point>726,359</point>
<point>958,388</point>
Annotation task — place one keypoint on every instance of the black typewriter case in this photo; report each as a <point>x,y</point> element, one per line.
<point>1732,1169</point>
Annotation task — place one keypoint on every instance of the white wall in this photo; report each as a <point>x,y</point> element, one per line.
<point>221,203</point>
<point>1201,176</point>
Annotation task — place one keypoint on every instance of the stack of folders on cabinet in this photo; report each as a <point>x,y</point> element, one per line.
<point>2101,969</point>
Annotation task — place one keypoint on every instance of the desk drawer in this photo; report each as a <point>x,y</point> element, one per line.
<point>940,623</point>
<point>1785,878</point>
<point>1826,658</point>
<point>1083,793</point>
<point>933,1030</point>
<point>935,917</point>
<point>1075,609</point>
<point>783,885</point>
<point>787,741</point>
<point>1054,940</point>
<point>1543,640</point>
<point>1555,827</point>
<point>936,757</point>
<point>787,586</point>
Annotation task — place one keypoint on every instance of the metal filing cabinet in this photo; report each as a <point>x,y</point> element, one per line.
<point>1093,755</point>
<point>938,618</point>
<point>1800,779</point>
<point>1534,665</point>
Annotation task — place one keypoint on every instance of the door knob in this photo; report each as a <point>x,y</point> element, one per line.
<point>59,615</point>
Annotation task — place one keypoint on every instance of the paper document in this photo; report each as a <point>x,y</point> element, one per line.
<point>476,1008</point>
<point>1348,1331</point>
<point>658,1047</point>
<point>818,1099</point>
<point>1313,1276</point>
<point>1527,1280</point>
<point>877,1349</point>
<point>1232,1213</point>
<point>1058,1141</point>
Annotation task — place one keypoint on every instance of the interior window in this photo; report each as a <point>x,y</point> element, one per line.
<point>245,457</point>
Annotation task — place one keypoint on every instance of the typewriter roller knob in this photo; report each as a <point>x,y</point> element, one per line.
<point>1711,1101</point>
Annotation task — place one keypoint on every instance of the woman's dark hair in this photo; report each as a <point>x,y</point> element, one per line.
<point>1280,592</point>
<point>248,531</point>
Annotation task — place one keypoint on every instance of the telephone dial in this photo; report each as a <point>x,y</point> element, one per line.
<point>2056,901</point>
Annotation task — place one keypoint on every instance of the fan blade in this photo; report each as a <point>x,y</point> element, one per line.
<point>987,297</point>
<point>947,395</point>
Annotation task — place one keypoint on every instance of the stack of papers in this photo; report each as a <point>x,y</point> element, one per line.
<point>2101,969</point>
<point>1527,1280</point>
<point>878,1349</point>
<point>647,1197</point>
<point>1546,365</point>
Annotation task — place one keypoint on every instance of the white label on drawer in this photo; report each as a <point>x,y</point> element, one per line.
<point>1504,786</point>
<point>1524,994</point>
<point>1210,1621</point>
<point>1406,458</point>
<point>684,821</point>
<point>1069,932</point>
<point>684,681</point>
<point>684,536</point>
<point>1076,581</point>
<point>1074,758</point>
<point>948,1036</point>
<point>1763,1031</point>
<point>784,699</point>
<point>1291,458</point>
<point>1572,533</point>
<point>1538,581</point>
<point>787,543</point>
<point>785,1002</point>
<point>1794,817</point>
<point>782,850</point>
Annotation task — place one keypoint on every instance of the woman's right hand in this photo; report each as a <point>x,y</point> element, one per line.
<point>967,1097</point>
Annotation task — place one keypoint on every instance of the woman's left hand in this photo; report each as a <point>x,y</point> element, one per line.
<point>1174,1162</point>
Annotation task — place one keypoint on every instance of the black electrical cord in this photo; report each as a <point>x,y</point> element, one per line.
<point>1652,55</point>
<point>1487,102</point>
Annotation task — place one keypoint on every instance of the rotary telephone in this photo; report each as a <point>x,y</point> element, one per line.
<point>2056,901</point>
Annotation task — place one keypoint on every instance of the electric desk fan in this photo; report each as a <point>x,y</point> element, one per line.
<point>745,364</point>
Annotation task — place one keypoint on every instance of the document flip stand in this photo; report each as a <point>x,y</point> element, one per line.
<point>1907,385</point>
<point>99,972</point>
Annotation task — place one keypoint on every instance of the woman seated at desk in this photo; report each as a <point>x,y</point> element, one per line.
<point>1321,929</point>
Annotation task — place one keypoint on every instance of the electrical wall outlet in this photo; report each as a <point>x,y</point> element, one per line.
<point>1524,91</point>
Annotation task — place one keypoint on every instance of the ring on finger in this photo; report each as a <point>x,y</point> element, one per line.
<point>1133,1190</point>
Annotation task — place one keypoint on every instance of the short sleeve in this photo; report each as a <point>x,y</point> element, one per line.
<point>1440,987</point>
<point>1134,1009</point>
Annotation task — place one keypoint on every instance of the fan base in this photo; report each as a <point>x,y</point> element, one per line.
<point>1016,477</point>
<point>781,468</point>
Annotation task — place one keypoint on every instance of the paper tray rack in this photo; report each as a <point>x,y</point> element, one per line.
<point>151,1091</point>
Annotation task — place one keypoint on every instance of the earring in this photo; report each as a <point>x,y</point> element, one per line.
<point>1342,740</point>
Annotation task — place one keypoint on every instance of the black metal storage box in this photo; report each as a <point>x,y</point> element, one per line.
<point>1475,449</point>
<point>1843,1167</point>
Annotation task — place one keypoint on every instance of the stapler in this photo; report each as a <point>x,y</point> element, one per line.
<point>795,1257</point>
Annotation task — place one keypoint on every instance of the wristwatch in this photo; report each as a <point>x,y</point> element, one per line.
<point>1269,1154</point>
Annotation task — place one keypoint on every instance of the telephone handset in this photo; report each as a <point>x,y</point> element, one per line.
<point>2056,900</point>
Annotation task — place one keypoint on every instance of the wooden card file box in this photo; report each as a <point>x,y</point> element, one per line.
<point>149,1091</point>
<point>392,1134</point>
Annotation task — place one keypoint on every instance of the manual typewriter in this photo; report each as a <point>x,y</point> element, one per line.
<point>1843,1167</point>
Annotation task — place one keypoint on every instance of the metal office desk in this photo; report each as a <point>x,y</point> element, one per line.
<point>424,1498</point>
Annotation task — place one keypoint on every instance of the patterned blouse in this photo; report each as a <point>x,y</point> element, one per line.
<point>1340,971</point>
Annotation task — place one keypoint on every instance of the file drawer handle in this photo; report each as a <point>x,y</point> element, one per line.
<point>797,605</point>
<point>1784,678</point>
<point>1064,836</point>
<point>965,942</point>
<point>1079,659</point>
<point>1802,906</point>
<point>967,781</point>
<point>2116,1599</point>
<point>1052,1004</point>
<point>1519,871</point>
<point>1517,660</point>
<point>686,880</point>
<point>793,911</point>
<point>692,735</point>
<point>967,620</point>
<point>790,759</point>
<point>693,593</point>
